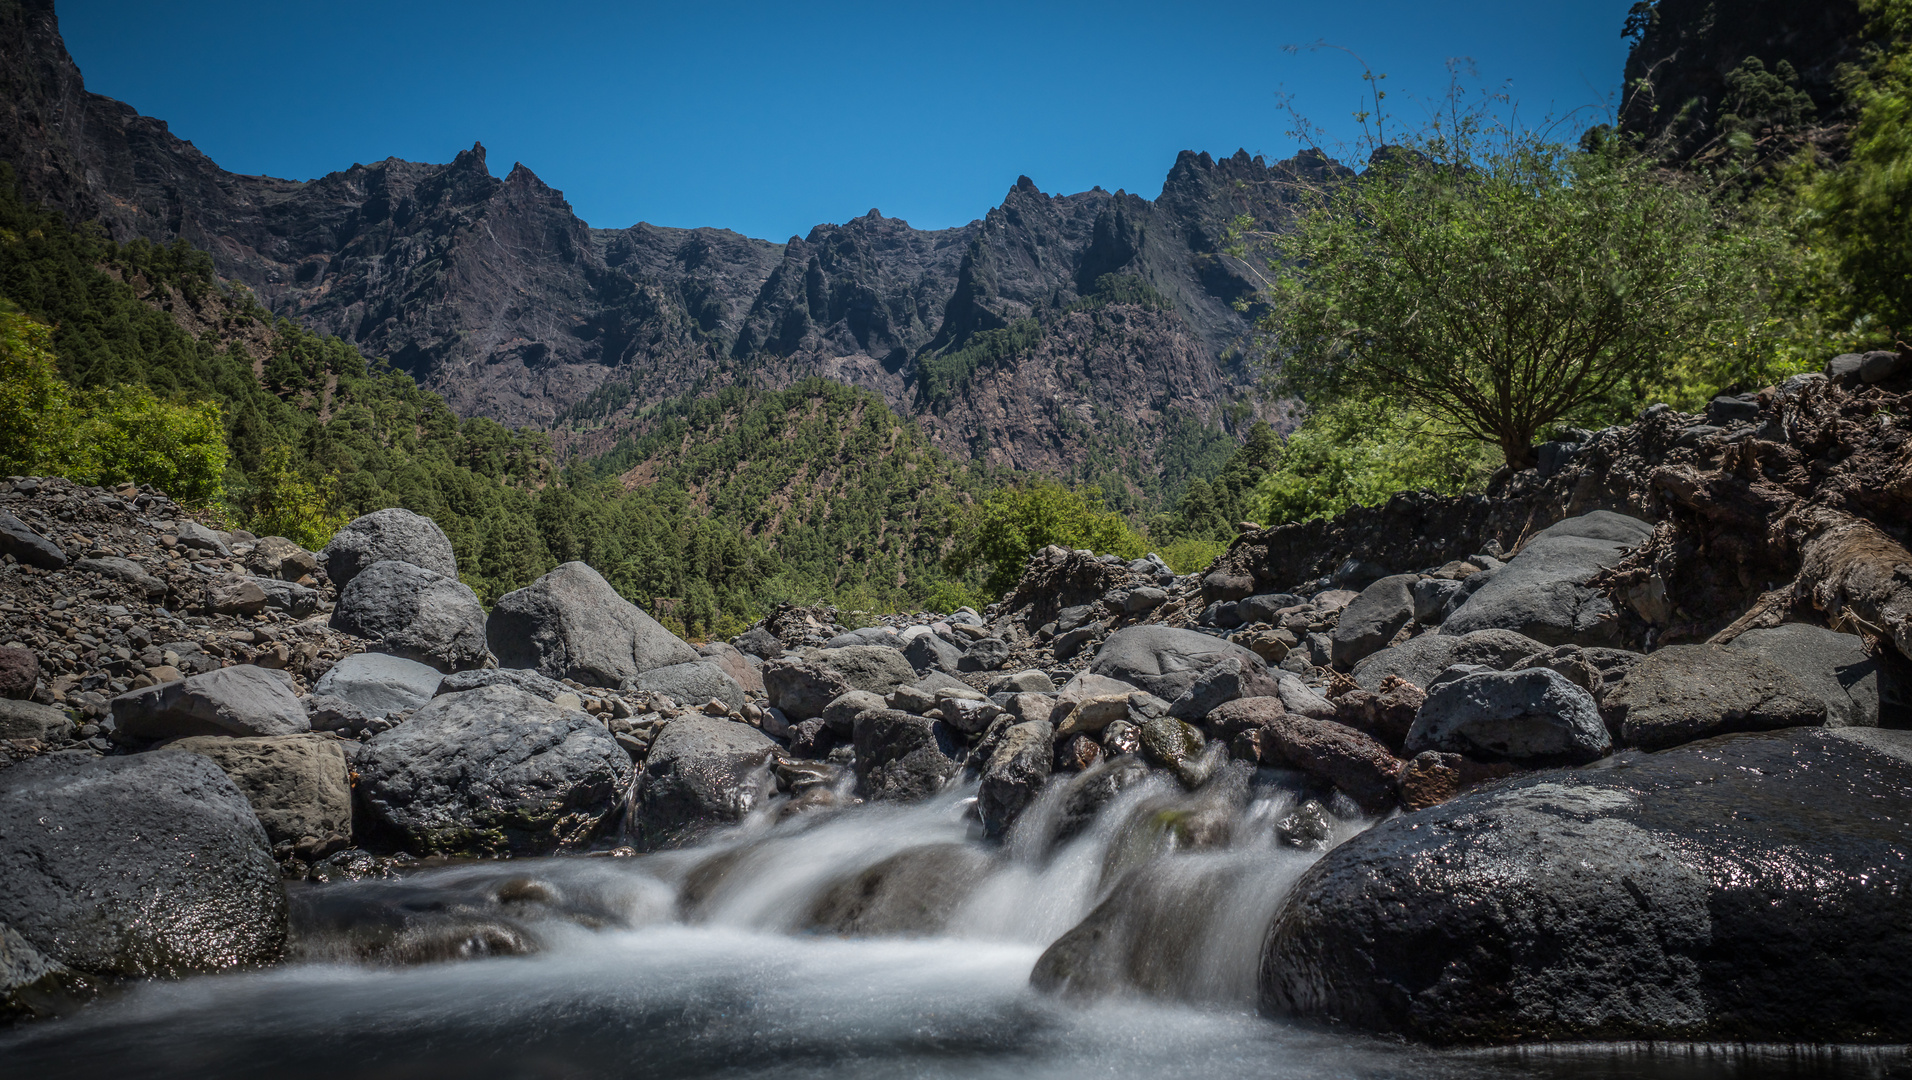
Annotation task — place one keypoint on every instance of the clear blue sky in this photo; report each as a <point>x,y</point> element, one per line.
<point>769,118</point>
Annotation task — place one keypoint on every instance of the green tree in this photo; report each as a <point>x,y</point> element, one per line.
<point>35,426</point>
<point>1359,452</point>
<point>1499,282</point>
<point>127,434</point>
<point>285,502</point>
<point>1014,523</point>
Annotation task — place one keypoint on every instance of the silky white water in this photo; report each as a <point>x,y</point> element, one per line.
<point>712,962</point>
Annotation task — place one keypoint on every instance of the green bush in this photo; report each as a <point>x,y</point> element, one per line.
<point>1361,451</point>
<point>283,501</point>
<point>1014,523</point>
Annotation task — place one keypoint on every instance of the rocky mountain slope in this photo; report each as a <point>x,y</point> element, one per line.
<point>493,293</point>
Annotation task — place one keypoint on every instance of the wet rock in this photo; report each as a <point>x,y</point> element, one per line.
<point>915,891</point>
<point>1177,747</point>
<point>904,758</point>
<point>1015,774</point>
<point>1077,754</point>
<point>804,682</point>
<point>1432,778</point>
<point>1165,660</point>
<point>394,534</point>
<point>1371,621</point>
<point>1420,659</point>
<point>1357,765</point>
<point>409,611</point>
<point>1753,887</point>
<point>702,773</point>
<point>1836,668</point>
<point>570,624</point>
<point>150,865</point>
<point>277,557</point>
<point>31,720</point>
<point>693,683</point>
<point>298,785</point>
<point>1309,828</point>
<point>1543,593</point>
<point>1533,717</point>
<point>21,542</point>
<point>493,770</point>
<point>378,684</point>
<point>19,672</point>
<point>1686,692</point>
<point>239,700</point>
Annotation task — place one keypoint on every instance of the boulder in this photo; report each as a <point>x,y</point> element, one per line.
<point>841,713</point>
<point>1242,714</point>
<point>1593,669</point>
<point>409,611</point>
<point>1265,608</point>
<point>1372,620</point>
<point>397,535</point>
<point>31,720</point>
<point>904,758</point>
<point>867,635</point>
<point>1029,681</point>
<point>529,681</point>
<point>1388,715</point>
<point>1543,593</point>
<point>1165,660</point>
<point>1176,746</point>
<point>493,771</point>
<point>1358,765</point>
<point>758,642</point>
<point>1432,596</point>
<point>1687,692</point>
<point>298,785</point>
<point>290,597</point>
<point>694,683</point>
<point>570,624</point>
<point>200,538</point>
<point>735,665</point>
<point>921,696</point>
<point>19,672</point>
<point>148,865</point>
<point>1145,599</point>
<point>29,547</point>
<point>1015,774</point>
<point>238,700</point>
<point>801,683</point>
<point>1420,659</point>
<point>928,652</point>
<point>703,772</point>
<point>234,594</point>
<point>1836,668</point>
<point>1297,697</point>
<point>126,570</point>
<point>914,891</point>
<point>277,557</point>
<point>984,654</point>
<point>1224,682</point>
<point>1533,717</point>
<point>1749,888</point>
<point>378,684</point>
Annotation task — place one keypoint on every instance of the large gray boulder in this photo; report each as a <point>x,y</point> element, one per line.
<point>928,652</point>
<point>1836,668</point>
<point>1530,717</point>
<point>31,720</point>
<point>1372,620</point>
<point>20,541</point>
<point>702,772</point>
<point>570,624</point>
<point>238,700</point>
<point>394,534</point>
<point>415,613</point>
<point>1687,692</point>
<point>529,681</point>
<point>694,683</point>
<point>379,684</point>
<point>139,866</point>
<point>904,758</point>
<point>290,597</point>
<point>1753,887</point>
<point>299,785</point>
<point>802,683</point>
<point>1420,659</point>
<point>1542,592</point>
<point>492,771</point>
<point>1165,660</point>
<point>1015,774</point>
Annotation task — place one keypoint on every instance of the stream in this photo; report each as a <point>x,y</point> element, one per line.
<point>878,941</point>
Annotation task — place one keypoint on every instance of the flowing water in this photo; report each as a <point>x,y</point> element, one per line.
<point>874,942</point>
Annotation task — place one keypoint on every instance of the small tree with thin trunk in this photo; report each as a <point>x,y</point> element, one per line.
<point>1505,283</point>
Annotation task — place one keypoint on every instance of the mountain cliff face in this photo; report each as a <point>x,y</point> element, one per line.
<point>1085,334</point>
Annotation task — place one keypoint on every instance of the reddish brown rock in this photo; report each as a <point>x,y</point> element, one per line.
<point>1078,754</point>
<point>1231,718</point>
<point>1433,778</point>
<point>1386,715</point>
<point>19,672</point>
<point>1355,763</point>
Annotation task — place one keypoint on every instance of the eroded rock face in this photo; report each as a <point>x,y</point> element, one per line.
<point>1752,887</point>
<point>394,534</point>
<point>491,771</point>
<point>415,613</point>
<point>1687,692</point>
<point>1543,592</point>
<point>147,865</point>
<point>570,624</point>
<point>702,772</point>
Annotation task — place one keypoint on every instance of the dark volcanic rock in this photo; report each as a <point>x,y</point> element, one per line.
<point>911,892</point>
<point>151,865</point>
<point>1015,774</point>
<point>1532,717</point>
<point>1166,661</point>
<point>491,771</point>
<point>398,535</point>
<point>19,672</point>
<point>21,542</point>
<point>570,624</point>
<point>412,612</point>
<point>1372,620</point>
<point>298,785</point>
<point>1543,592</point>
<point>1754,887</point>
<point>1686,692</point>
<point>904,758</point>
<point>702,772</point>
<point>1837,668</point>
<point>239,700</point>
<point>378,684</point>
<point>1355,763</point>
<point>1419,660</point>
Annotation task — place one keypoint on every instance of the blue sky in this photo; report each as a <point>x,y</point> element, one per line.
<point>770,118</point>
